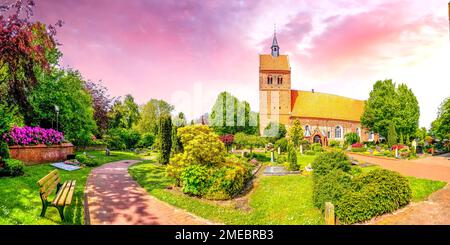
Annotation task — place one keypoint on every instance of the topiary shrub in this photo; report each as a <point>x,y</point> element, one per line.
<point>292,159</point>
<point>328,161</point>
<point>374,193</point>
<point>330,187</point>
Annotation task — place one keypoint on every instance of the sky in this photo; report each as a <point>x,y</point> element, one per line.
<point>186,52</point>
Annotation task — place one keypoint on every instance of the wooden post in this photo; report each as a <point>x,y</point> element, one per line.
<point>329,214</point>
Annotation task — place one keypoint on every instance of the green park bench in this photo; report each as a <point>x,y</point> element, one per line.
<point>63,196</point>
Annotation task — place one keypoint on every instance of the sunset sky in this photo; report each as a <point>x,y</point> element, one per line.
<point>186,52</point>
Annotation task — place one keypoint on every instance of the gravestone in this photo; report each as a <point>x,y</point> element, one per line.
<point>272,156</point>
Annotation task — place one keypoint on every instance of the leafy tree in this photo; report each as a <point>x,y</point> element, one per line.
<point>151,113</point>
<point>352,138</point>
<point>250,141</point>
<point>124,114</point>
<point>296,133</point>
<point>401,141</point>
<point>441,125</point>
<point>391,135</point>
<point>64,89</point>
<point>282,144</point>
<point>230,116</point>
<point>389,103</point>
<point>165,137</point>
<point>101,103</point>
<point>26,48</point>
<point>275,131</point>
<point>7,120</point>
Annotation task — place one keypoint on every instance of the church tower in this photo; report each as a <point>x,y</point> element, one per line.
<point>274,87</point>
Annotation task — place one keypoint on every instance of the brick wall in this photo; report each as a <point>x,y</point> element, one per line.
<point>37,154</point>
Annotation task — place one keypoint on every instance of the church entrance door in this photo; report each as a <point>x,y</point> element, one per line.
<point>317,139</point>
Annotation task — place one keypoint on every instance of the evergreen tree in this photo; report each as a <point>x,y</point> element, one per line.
<point>292,158</point>
<point>296,133</point>
<point>401,141</point>
<point>165,139</point>
<point>391,135</point>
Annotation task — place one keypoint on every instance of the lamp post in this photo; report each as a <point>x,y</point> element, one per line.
<point>57,116</point>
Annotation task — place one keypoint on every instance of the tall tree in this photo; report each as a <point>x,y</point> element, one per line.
<point>151,113</point>
<point>165,139</point>
<point>391,104</point>
<point>441,126</point>
<point>64,89</point>
<point>230,116</point>
<point>124,114</point>
<point>296,133</point>
<point>101,102</point>
<point>26,48</point>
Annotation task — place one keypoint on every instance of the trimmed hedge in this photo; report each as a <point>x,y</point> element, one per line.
<point>357,196</point>
<point>374,193</point>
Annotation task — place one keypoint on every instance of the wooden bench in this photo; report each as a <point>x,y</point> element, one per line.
<point>64,192</point>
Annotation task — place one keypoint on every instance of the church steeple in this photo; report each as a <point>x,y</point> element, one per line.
<point>275,48</point>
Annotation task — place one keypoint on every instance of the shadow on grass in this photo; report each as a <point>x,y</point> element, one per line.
<point>151,176</point>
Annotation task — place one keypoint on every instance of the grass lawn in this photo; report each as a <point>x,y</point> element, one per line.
<point>19,197</point>
<point>276,200</point>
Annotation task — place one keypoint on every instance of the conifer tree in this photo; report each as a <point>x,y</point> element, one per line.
<point>165,139</point>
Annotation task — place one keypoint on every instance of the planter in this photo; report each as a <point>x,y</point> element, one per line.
<point>37,154</point>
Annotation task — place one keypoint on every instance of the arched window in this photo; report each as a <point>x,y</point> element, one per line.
<point>307,131</point>
<point>280,80</point>
<point>338,132</point>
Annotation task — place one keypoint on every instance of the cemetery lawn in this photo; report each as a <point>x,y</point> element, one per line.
<point>19,197</point>
<point>275,199</point>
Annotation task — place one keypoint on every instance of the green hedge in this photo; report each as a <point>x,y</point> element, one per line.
<point>374,193</point>
<point>330,187</point>
<point>362,149</point>
<point>13,168</point>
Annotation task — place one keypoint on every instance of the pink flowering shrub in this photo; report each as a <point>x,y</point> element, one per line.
<point>33,136</point>
<point>357,145</point>
<point>227,139</point>
<point>398,147</point>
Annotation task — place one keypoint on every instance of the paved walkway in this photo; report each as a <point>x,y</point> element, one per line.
<point>436,209</point>
<point>113,197</point>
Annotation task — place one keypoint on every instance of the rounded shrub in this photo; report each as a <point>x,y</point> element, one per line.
<point>194,180</point>
<point>84,159</point>
<point>374,193</point>
<point>14,167</point>
<point>227,181</point>
<point>328,161</point>
<point>330,187</point>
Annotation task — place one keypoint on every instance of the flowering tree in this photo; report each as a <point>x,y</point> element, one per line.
<point>227,140</point>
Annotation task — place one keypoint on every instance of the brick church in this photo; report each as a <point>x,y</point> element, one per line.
<point>324,117</point>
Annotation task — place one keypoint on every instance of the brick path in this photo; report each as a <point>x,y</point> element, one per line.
<point>113,197</point>
<point>436,209</point>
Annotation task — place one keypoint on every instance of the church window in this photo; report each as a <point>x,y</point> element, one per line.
<point>338,132</point>
<point>280,80</point>
<point>269,80</point>
<point>307,131</point>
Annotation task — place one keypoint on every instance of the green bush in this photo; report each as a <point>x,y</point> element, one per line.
<point>374,193</point>
<point>328,161</point>
<point>147,140</point>
<point>121,139</point>
<point>316,147</point>
<point>194,180</point>
<point>330,187</point>
<point>334,143</point>
<point>351,138</point>
<point>292,159</point>
<point>282,144</point>
<point>310,153</point>
<point>217,183</point>
<point>362,149</point>
<point>14,167</point>
<point>84,159</point>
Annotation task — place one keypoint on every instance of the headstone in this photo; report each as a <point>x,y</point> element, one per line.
<point>301,149</point>
<point>396,152</point>
<point>279,150</point>
<point>107,152</point>
<point>272,156</point>
<point>329,214</point>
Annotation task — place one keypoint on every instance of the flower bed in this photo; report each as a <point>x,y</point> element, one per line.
<point>34,145</point>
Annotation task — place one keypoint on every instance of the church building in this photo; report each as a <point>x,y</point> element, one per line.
<point>324,117</point>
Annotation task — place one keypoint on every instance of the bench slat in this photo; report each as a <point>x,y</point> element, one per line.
<point>70,195</point>
<point>47,177</point>
<point>49,190</point>
<point>59,194</point>
<point>49,183</point>
<point>61,201</point>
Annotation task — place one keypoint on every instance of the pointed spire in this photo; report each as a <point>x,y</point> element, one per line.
<point>275,48</point>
